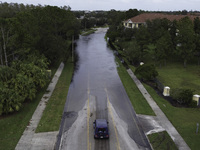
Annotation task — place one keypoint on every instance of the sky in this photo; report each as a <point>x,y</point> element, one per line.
<point>150,5</point>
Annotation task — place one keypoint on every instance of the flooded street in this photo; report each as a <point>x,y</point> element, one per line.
<point>96,92</point>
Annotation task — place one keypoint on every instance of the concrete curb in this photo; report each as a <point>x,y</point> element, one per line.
<point>162,119</point>
<point>30,140</point>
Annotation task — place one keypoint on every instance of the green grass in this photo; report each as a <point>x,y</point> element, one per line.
<point>138,101</point>
<point>183,119</point>
<point>175,75</point>
<point>88,32</point>
<point>52,115</point>
<point>162,141</point>
<point>12,126</point>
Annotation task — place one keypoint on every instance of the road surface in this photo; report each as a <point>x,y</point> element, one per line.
<point>96,92</point>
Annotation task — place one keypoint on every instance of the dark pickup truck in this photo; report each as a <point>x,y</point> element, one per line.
<point>101,129</point>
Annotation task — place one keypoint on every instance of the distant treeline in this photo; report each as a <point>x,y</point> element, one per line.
<point>99,18</point>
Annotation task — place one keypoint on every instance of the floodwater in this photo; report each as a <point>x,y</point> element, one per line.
<point>96,92</point>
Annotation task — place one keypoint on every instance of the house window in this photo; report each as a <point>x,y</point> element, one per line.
<point>140,24</point>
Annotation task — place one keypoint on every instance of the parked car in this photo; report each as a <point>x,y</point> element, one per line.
<point>101,129</point>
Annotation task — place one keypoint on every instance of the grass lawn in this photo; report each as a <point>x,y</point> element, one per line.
<point>183,119</point>
<point>162,141</point>
<point>52,115</point>
<point>138,101</point>
<point>176,76</point>
<point>88,32</point>
<point>12,126</point>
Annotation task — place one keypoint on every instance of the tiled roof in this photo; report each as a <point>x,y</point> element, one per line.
<point>151,16</point>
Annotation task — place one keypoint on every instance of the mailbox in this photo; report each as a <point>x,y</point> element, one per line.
<point>166,91</point>
<point>49,73</point>
<point>197,99</point>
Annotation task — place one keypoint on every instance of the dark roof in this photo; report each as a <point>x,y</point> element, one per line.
<point>151,16</point>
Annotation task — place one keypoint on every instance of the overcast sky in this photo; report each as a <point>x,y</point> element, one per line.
<point>154,5</point>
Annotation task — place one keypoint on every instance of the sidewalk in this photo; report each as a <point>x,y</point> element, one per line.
<point>162,119</point>
<point>39,141</point>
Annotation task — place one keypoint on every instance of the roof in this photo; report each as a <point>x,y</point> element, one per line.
<point>151,16</point>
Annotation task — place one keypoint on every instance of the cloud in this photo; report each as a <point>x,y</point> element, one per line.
<point>157,1</point>
<point>167,5</point>
<point>125,1</point>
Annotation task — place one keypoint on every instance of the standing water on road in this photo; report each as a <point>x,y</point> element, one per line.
<point>96,92</point>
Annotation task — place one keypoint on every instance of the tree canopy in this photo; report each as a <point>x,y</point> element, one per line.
<point>159,40</point>
<point>31,39</point>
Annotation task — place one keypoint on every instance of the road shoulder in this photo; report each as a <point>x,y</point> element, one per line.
<point>29,139</point>
<point>161,118</point>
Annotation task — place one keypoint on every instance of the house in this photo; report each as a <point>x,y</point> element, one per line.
<point>141,19</point>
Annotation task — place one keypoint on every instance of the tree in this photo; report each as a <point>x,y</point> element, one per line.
<point>146,72</point>
<point>197,25</point>
<point>128,34</point>
<point>184,12</point>
<point>20,82</point>
<point>6,74</point>
<point>142,37</point>
<point>23,86</point>
<point>197,50</point>
<point>47,30</point>
<point>34,67</point>
<point>156,28</point>
<point>133,52</point>
<point>115,17</point>
<point>197,36</point>
<point>113,33</point>
<point>10,100</point>
<point>185,39</point>
<point>5,35</point>
<point>131,13</point>
<point>34,36</point>
<point>173,32</point>
<point>163,48</point>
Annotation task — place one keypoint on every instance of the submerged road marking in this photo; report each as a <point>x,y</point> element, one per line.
<point>88,116</point>
<point>88,122</point>
<point>109,107</point>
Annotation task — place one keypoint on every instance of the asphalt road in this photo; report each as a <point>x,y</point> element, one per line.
<point>97,92</point>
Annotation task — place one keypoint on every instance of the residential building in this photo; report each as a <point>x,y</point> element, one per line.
<point>141,19</point>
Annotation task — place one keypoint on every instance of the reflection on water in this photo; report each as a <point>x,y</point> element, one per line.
<point>95,60</point>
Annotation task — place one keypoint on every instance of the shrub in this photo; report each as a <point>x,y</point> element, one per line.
<point>10,100</point>
<point>146,72</point>
<point>20,82</point>
<point>182,96</point>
